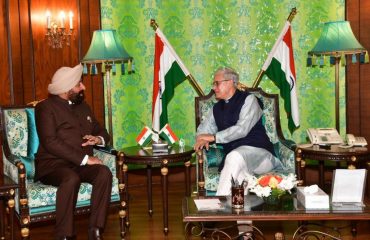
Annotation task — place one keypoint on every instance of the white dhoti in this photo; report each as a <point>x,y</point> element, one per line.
<point>244,161</point>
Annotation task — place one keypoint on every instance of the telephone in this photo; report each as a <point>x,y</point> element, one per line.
<point>356,141</point>
<point>324,136</point>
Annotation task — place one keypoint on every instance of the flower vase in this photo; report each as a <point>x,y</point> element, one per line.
<point>279,202</point>
<point>287,203</point>
<point>272,200</point>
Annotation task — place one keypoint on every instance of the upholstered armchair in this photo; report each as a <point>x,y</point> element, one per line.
<point>208,161</point>
<point>34,201</point>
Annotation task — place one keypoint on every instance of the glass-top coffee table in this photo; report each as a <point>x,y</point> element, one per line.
<point>202,222</point>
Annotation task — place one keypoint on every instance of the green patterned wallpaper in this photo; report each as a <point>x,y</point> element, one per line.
<point>207,34</point>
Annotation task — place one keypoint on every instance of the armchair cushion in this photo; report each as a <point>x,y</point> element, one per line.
<point>41,197</point>
<point>33,139</point>
<point>214,156</point>
<point>17,131</point>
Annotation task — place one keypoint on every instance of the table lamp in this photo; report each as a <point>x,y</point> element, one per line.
<point>336,41</point>
<point>107,50</point>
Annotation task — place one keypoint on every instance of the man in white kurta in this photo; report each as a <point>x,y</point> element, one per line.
<point>235,123</point>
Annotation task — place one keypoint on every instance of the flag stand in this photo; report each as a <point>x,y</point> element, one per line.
<point>256,82</point>
<point>192,80</point>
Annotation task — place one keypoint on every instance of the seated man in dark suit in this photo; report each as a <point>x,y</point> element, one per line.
<point>67,131</point>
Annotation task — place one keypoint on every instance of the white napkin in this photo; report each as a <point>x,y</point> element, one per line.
<point>311,189</point>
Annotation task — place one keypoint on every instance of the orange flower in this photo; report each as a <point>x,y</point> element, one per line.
<point>270,180</point>
<point>264,181</point>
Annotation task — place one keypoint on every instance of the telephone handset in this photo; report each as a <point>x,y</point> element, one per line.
<point>356,141</point>
<point>324,136</point>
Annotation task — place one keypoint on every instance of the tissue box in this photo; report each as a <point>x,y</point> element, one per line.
<point>318,200</point>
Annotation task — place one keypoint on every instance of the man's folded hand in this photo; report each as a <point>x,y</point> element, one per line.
<point>91,140</point>
<point>93,160</point>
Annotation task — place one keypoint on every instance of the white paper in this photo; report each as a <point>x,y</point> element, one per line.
<point>311,189</point>
<point>348,185</point>
<point>208,204</point>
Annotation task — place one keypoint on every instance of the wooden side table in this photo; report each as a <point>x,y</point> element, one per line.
<point>138,155</point>
<point>355,157</point>
<point>7,192</point>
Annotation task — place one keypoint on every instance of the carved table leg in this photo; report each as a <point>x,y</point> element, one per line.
<point>164,173</point>
<point>187,178</point>
<point>354,228</point>
<point>201,182</point>
<point>321,175</point>
<point>149,188</point>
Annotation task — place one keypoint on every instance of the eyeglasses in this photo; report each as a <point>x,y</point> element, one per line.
<point>218,83</point>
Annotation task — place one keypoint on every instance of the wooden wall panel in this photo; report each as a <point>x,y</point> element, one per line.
<point>353,76</point>
<point>16,53</point>
<point>27,52</point>
<point>358,75</point>
<point>364,39</point>
<point>5,98</point>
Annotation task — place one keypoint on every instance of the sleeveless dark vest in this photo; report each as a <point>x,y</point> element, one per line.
<point>227,115</point>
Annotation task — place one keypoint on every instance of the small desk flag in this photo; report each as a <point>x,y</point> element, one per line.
<point>167,134</point>
<point>145,136</point>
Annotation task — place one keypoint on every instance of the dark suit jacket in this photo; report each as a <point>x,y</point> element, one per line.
<point>60,127</point>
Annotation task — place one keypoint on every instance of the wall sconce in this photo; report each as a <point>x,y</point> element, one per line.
<point>58,35</point>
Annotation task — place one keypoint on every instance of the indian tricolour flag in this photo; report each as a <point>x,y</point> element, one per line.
<point>169,71</point>
<point>279,67</point>
<point>144,137</point>
<point>167,134</point>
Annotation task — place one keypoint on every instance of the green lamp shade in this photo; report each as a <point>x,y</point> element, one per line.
<point>337,38</point>
<point>105,47</point>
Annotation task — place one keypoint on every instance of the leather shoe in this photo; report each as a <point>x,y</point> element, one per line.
<point>94,234</point>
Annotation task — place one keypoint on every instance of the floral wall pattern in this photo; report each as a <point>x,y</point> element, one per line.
<point>207,34</point>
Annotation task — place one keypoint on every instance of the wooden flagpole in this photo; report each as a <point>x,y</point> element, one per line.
<point>190,77</point>
<point>292,14</point>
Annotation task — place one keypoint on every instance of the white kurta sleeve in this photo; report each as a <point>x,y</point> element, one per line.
<point>208,125</point>
<point>249,115</point>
